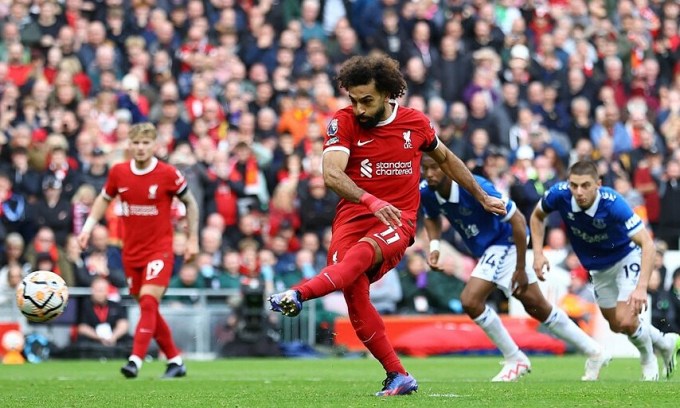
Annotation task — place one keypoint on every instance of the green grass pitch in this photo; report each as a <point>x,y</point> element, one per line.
<point>331,382</point>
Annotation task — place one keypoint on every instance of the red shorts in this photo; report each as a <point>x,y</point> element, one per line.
<point>392,242</point>
<point>157,271</point>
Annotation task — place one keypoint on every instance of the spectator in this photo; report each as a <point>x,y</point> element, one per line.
<point>540,177</point>
<point>283,211</point>
<point>311,241</point>
<point>296,119</point>
<point>390,37</point>
<point>188,278</point>
<point>481,117</point>
<point>25,180</point>
<point>302,269</point>
<point>675,300</point>
<point>317,206</point>
<point>230,276</point>
<point>62,168</point>
<point>386,293</point>
<point>13,217</point>
<point>247,178</point>
<point>660,304</point>
<point>102,325</point>
<point>44,247</point>
<point>10,277</point>
<point>581,122</point>
<point>480,149</point>
<point>249,229</point>
<point>426,292</point>
<point>211,244</point>
<point>632,197</point>
<point>53,210</point>
<point>13,254</point>
<point>101,243</point>
<point>81,203</point>
<point>97,171</point>
<point>669,216</point>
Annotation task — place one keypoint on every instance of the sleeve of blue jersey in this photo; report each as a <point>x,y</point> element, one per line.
<point>510,209</point>
<point>428,204</point>
<point>550,198</point>
<point>631,222</point>
<point>488,187</point>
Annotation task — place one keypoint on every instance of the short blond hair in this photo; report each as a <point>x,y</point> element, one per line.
<point>145,129</point>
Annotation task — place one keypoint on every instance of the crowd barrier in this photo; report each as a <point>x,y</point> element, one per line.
<point>195,327</point>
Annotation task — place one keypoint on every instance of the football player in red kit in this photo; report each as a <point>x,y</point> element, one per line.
<point>146,187</point>
<point>371,159</point>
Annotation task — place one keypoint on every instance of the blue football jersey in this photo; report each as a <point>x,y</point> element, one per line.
<point>479,228</point>
<point>600,235</point>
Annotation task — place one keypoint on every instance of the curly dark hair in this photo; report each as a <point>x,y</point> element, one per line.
<point>361,70</point>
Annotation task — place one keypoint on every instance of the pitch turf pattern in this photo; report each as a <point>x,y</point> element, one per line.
<point>444,381</point>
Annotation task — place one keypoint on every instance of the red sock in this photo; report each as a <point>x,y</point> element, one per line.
<point>164,338</point>
<point>146,327</point>
<point>355,263</point>
<point>369,326</point>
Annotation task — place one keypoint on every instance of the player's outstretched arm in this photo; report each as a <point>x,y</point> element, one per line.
<point>537,228</point>
<point>101,203</point>
<point>453,167</point>
<point>334,165</point>
<point>192,220</point>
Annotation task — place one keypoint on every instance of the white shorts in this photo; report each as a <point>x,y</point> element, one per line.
<point>616,283</point>
<point>497,265</point>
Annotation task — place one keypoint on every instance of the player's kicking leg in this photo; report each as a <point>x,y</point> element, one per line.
<point>564,328</point>
<point>516,364</point>
<point>287,303</point>
<point>370,329</point>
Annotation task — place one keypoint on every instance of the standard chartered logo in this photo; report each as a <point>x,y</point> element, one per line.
<point>386,168</point>
<point>393,168</point>
<point>366,168</point>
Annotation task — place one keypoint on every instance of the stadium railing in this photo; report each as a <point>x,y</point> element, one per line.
<point>195,326</point>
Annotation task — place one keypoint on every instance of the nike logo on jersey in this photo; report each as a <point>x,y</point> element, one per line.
<point>363,143</point>
<point>122,190</point>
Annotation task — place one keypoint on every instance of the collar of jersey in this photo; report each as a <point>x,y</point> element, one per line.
<point>392,116</point>
<point>141,172</point>
<point>454,197</point>
<point>591,210</point>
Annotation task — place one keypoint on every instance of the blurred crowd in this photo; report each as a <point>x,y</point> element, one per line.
<point>241,92</point>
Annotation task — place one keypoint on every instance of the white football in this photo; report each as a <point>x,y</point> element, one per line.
<point>42,296</point>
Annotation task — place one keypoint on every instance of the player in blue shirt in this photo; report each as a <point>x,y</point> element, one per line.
<point>611,242</point>
<point>500,243</point>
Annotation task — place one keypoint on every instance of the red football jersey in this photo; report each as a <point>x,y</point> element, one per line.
<point>146,199</point>
<point>384,160</point>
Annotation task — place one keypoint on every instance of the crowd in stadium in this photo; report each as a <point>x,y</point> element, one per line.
<point>241,93</point>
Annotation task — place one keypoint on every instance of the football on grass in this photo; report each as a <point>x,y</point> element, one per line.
<point>42,296</point>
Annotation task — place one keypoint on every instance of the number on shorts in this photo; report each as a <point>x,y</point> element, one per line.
<point>390,236</point>
<point>633,268</point>
<point>154,268</point>
<point>489,259</point>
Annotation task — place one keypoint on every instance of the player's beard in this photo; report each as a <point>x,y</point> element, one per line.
<point>372,121</point>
